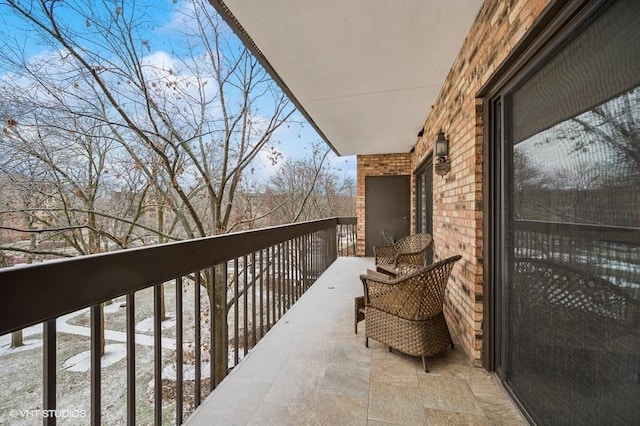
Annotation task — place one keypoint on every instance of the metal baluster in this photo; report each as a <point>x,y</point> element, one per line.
<point>254,279</point>
<point>236,317</point>
<point>287,272</point>
<point>313,257</point>
<point>212,327</point>
<point>274,285</point>
<point>269,285</point>
<point>245,306</point>
<point>131,359</point>
<point>179,355</point>
<point>310,259</point>
<point>281,302</point>
<point>335,244</point>
<point>197,338</point>
<point>298,258</point>
<point>49,369</point>
<point>292,269</point>
<point>262,294</point>
<point>317,253</point>
<point>354,239</point>
<point>225,315</point>
<point>305,263</point>
<point>294,260</point>
<point>96,354</point>
<point>157,355</point>
<point>343,250</point>
<point>296,270</point>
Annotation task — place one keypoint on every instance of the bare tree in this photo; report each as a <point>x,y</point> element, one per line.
<point>597,171</point>
<point>616,124</point>
<point>191,121</point>
<point>308,188</point>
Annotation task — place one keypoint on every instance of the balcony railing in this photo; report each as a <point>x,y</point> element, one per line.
<point>606,251</point>
<point>263,272</point>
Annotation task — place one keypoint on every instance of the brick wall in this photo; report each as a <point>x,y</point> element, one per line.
<point>376,165</point>
<point>457,196</point>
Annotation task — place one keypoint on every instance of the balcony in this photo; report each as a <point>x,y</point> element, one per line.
<point>307,366</point>
<point>312,369</point>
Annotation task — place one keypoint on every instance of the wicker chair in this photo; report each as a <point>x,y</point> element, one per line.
<point>410,249</point>
<point>590,325</point>
<point>405,313</point>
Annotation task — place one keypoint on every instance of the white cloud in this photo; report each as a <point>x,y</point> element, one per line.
<point>268,162</point>
<point>160,60</point>
<point>180,18</point>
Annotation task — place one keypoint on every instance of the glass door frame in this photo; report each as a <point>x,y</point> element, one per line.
<point>423,176</point>
<point>554,28</point>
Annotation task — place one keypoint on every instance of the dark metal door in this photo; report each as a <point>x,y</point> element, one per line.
<point>387,208</point>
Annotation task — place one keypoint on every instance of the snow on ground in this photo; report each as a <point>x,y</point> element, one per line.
<point>76,366</point>
<point>188,372</point>
<point>63,327</point>
<point>114,307</point>
<point>72,378</point>
<point>146,325</point>
<point>31,343</point>
<point>231,356</point>
<point>81,362</point>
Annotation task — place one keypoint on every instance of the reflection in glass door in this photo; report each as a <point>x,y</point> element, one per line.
<point>570,229</point>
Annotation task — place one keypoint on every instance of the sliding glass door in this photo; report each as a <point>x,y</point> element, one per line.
<point>568,295</point>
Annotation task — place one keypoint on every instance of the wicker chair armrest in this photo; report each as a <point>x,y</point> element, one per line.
<point>408,268</point>
<point>370,282</point>
<point>416,295</point>
<point>384,279</point>
<point>377,276</point>
<point>389,298</point>
<point>389,294</point>
<point>416,258</point>
<point>384,254</point>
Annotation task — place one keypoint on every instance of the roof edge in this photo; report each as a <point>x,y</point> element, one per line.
<point>226,14</point>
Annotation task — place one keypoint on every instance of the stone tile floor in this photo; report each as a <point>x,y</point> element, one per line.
<point>311,369</point>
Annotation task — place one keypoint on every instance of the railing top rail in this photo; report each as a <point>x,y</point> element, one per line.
<point>581,231</point>
<point>34,293</point>
<point>350,220</point>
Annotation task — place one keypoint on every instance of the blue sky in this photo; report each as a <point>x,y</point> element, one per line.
<point>162,23</point>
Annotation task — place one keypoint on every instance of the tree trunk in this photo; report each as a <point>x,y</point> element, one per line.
<point>16,339</point>
<point>160,213</point>
<point>94,247</point>
<point>218,318</point>
<point>163,308</point>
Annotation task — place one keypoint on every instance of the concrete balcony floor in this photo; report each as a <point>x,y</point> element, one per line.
<point>311,369</point>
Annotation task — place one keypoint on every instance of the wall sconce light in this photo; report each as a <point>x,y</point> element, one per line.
<point>441,152</point>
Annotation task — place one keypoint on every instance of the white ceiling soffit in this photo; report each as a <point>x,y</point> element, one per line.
<point>364,72</point>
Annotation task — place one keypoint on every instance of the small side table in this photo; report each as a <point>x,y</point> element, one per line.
<point>358,312</point>
<point>358,302</point>
<point>389,270</point>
